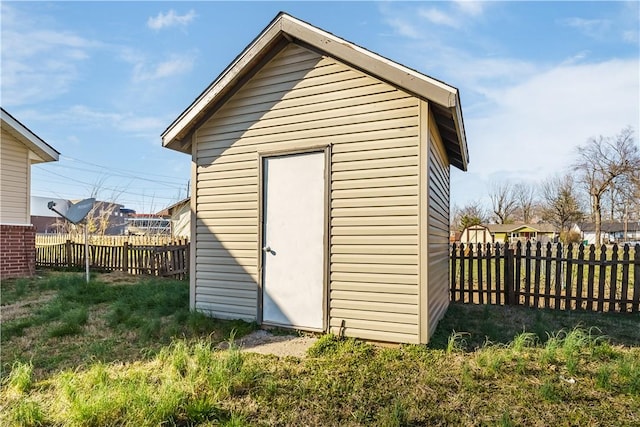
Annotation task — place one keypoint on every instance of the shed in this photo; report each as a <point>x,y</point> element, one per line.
<point>19,149</point>
<point>180,216</point>
<point>321,188</point>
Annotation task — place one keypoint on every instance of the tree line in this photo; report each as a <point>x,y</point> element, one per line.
<point>603,183</point>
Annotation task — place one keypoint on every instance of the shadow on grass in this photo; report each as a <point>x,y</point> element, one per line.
<point>500,324</point>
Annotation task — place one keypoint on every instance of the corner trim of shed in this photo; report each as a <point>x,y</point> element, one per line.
<point>285,29</point>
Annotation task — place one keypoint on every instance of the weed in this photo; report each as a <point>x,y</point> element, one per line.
<point>505,420</point>
<point>396,417</point>
<point>628,368</point>
<point>27,412</point>
<point>326,345</point>
<point>20,379</point>
<point>603,377</point>
<point>466,378</point>
<point>549,391</point>
<point>456,342</point>
<point>524,340</point>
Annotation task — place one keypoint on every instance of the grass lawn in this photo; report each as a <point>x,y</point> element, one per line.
<point>119,351</point>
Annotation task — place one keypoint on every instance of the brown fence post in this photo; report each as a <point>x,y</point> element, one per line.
<point>461,288</point>
<point>498,270</point>
<point>568,282</point>
<point>125,257</point>
<point>68,252</point>
<point>470,272</point>
<point>591,277</point>
<point>517,274</point>
<point>602,272</point>
<point>636,280</point>
<point>625,279</point>
<point>452,287</point>
<point>613,279</point>
<point>547,276</point>
<point>509,292</point>
<point>536,280</point>
<point>480,274</point>
<point>558,277</point>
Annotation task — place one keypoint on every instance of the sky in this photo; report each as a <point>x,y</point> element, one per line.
<point>100,81</point>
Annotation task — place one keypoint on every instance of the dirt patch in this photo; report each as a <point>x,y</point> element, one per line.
<point>120,278</point>
<point>264,342</point>
<point>24,308</point>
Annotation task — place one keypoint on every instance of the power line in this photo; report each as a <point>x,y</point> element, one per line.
<point>168,183</point>
<point>111,168</point>
<point>118,190</point>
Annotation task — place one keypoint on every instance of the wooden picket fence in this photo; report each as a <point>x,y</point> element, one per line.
<point>168,260</point>
<point>106,240</point>
<point>549,277</point>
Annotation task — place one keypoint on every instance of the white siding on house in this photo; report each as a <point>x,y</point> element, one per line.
<point>301,99</point>
<point>14,181</point>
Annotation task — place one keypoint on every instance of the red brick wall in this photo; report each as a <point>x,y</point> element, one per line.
<point>17,251</point>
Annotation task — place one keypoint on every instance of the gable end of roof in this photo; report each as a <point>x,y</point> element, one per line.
<point>32,141</point>
<point>285,29</point>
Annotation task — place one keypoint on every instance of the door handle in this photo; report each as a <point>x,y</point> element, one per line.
<point>267,249</point>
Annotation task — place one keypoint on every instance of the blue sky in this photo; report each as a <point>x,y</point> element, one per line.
<point>100,81</point>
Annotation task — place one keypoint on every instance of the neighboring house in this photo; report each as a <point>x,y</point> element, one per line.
<point>180,216</point>
<point>19,149</point>
<point>320,189</point>
<point>610,232</point>
<point>509,233</point>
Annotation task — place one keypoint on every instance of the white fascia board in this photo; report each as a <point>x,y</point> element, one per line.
<point>32,141</point>
<point>371,63</point>
<point>462,137</point>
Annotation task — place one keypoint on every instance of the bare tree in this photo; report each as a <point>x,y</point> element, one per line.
<point>472,213</point>
<point>503,202</point>
<point>561,206</point>
<point>525,196</point>
<point>601,163</point>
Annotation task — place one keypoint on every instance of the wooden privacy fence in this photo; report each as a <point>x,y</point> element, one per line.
<point>547,277</point>
<point>166,260</point>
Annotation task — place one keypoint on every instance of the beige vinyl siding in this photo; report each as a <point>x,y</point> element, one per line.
<point>301,99</point>
<point>14,181</point>
<point>437,230</point>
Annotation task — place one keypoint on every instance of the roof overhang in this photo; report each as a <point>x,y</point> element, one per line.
<point>42,152</point>
<point>285,29</point>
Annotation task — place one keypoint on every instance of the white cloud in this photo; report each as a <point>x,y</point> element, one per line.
<point>471,7</point>
<point>526,116</point>
<point>82,117</point>
<point>38,63</point>
<point>170,19</point>
<point>595,28</point>
<point>174,65</point>
<point>436,16</point>
<point>404,28</point>
<point>533,128</point>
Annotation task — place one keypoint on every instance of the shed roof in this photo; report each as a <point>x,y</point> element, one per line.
<point>609,226</point>
<point>284,29</point>
<point>43,151</point>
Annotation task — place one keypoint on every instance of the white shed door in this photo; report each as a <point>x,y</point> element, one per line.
<point>293,240</point>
